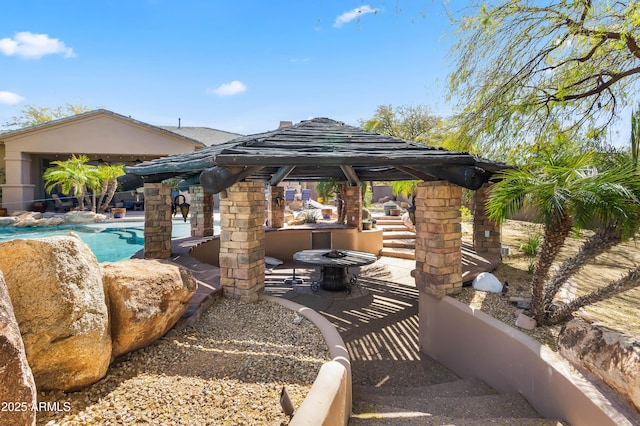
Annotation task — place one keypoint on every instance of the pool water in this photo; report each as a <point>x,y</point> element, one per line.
<point>110,242</point>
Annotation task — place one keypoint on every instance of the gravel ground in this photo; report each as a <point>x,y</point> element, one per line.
<point>228,369</point>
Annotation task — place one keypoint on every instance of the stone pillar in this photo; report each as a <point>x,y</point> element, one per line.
<point>353,205</point>
<point>438,238</point>
<point>276,210</point>
<point>242,241</point>
<point>486,232</point>
<point>201,212</point>
<point>157,221</point>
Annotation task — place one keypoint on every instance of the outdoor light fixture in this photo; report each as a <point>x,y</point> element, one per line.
<point>184,206</point>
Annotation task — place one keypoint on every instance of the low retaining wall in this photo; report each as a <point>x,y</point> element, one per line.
<point>283,243</point>
<point>474,344</point>
<point>329,400</point>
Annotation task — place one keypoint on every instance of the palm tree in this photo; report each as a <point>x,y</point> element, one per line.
<point>73,176</point>
<point>108,184</point>
<point>567,192</point>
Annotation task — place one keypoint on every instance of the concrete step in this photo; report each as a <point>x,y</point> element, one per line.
<point>388,220</point>
<point>469,407</point>
<point>392,228</point>
<point>409,243</point>
<point>426,419</point>
<point>457,388</point>
<point>400,253</point>
<point>392,235</point>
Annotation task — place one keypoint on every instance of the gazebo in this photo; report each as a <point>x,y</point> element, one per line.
<point>243,170</point>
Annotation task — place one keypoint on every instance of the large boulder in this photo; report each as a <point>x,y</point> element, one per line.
<point>36,220</point>
<point>58,299</point>
<point>606,353</point>
<point>146,298</point>
<point>84,217</point>
<point>16,381</point>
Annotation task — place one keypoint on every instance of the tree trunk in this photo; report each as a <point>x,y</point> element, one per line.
<point>555,235</point>
<point>604,238</point>
<point>629,281</point>
<point>342,211</point>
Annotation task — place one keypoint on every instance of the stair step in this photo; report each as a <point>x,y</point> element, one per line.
<point>425,419</point>
<point>393,228</point>
<point>457,388</point>
<point>388,220</point>
<point>409,243</point>
<point>392,235</point>
<point>400,253</point>
<point>472,407</point>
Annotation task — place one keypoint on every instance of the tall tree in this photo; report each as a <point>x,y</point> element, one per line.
<point>566,191</point>
<point>524,66</point>
<point>32,115</point>
<point>412,123</point>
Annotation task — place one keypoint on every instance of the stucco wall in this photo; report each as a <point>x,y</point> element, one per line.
<point>473,344</point>
<point>283,243</point>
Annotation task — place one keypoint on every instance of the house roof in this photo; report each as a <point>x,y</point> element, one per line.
<point>206,135</point>
<point>199,136</point>
<point>317,150</point>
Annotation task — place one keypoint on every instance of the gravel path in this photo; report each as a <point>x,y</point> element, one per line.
<point>228,369</point>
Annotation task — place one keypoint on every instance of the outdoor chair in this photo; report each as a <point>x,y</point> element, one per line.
<point>306,196</point>
<point>62,206</point>
<point>289,195</point>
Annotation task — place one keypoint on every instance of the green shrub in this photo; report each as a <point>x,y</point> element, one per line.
<point>465,214</point>
<point>530,248</point>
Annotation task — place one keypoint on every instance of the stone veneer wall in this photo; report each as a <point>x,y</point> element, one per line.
<point>353,205</point>
<point>201,212</point>
<point>438,238</point>
<point>276,211</point>
<point>157,218</point>
<point>482,225</point>
<point>242,241</point>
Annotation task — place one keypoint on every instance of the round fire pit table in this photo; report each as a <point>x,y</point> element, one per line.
<point>334,266</point>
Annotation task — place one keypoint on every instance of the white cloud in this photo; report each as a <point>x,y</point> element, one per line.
<point>229,89</point>
<point>10,98</point>
<point>356,13</point>
<point>33,46</point>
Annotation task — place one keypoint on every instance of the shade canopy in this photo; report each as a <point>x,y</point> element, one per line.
<point>314,150</point>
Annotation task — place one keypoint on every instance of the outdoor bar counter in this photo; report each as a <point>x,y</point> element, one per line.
<point>282,243</point>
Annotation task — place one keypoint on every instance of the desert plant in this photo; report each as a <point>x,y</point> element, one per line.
<point>310,216</point>
<point>531,246</point>
<point>567,191</point>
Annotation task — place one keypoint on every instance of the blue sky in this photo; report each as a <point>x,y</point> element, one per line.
<point>239,66</point>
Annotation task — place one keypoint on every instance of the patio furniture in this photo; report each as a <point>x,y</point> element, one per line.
<point>306,196</point>
<point>62,206</point>
<point>334,267</point>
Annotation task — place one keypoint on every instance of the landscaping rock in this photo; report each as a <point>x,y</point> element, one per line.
<point>36,220</point>
<point>84,217</point>
<point>486,281</point>
<point>525,322</point>
<point>146,298</point>
<point>8,221</point>
<point>606,353</point>
<point>16,380</point>
<point>58,299</point>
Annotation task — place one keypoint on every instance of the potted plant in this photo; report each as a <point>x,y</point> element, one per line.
<point>118,212</point>
<point>367,224</point>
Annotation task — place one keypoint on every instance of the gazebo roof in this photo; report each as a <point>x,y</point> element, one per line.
<point>315,150</point>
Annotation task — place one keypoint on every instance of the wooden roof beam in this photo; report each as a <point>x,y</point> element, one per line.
<point>281,175</point>
<point>216,179</point>
<point>351,175</point>
<point>421,175</point>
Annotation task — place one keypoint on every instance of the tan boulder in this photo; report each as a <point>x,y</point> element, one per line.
<point>146,298</point>
<point>58,299</point>
<point>606,353</point>
<point>16,381</point>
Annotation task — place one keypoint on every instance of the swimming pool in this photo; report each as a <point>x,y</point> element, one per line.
<point>109,241</point>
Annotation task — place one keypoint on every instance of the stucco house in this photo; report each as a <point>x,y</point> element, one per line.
<point>101,135</point>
